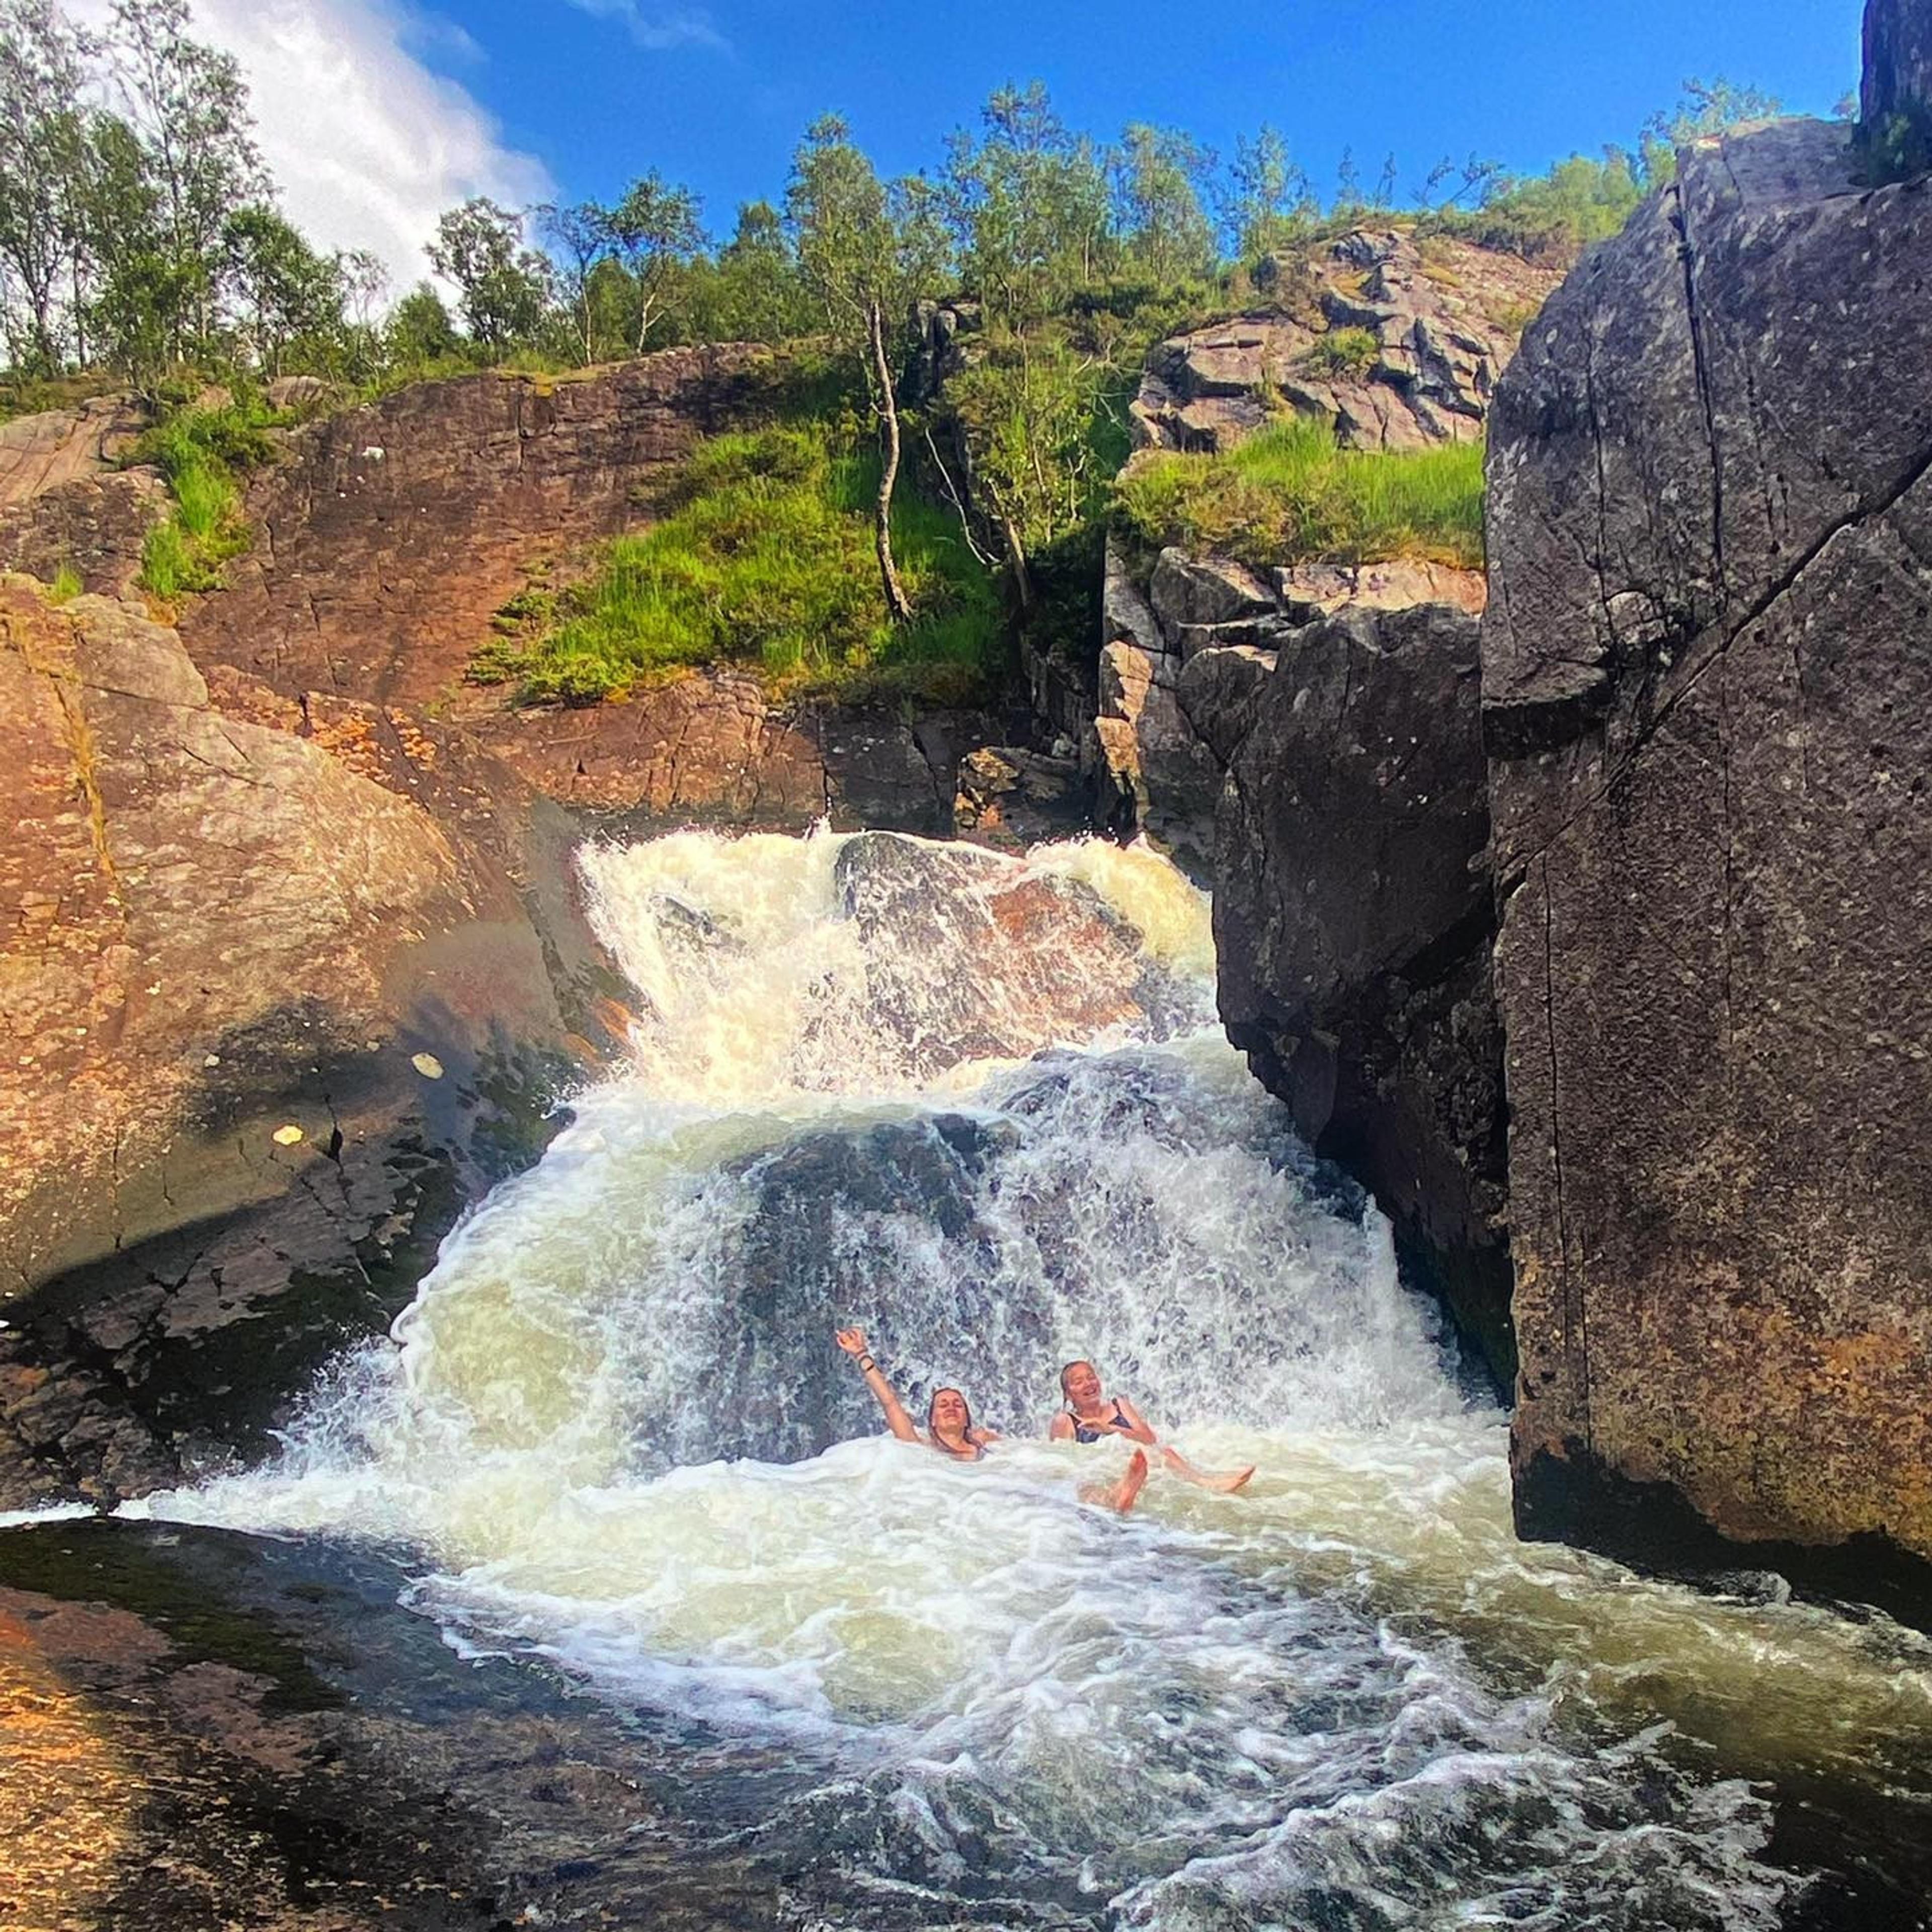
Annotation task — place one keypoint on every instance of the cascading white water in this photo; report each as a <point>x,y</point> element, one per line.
<point>980,1106</point>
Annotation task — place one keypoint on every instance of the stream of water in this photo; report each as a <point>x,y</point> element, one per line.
<point>981,1106</point>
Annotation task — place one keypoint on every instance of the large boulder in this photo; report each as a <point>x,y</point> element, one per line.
<point>1708,690</point>
<point>1161,762</point>
<point>279,1002</point>
<point>1352,925</point>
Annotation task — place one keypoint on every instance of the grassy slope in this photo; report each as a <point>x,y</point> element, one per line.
<point>1287,495</point>
<point>763,557</point>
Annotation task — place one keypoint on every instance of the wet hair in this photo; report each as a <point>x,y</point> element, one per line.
<point>1078,1362</point>
<point>966,1432</point>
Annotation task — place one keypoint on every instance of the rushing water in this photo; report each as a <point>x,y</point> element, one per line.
<point>980,1106</point>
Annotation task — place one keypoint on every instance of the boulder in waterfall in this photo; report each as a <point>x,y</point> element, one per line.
<point>1352,924</point>
<point>971,954</point>
<point>1708,701</point>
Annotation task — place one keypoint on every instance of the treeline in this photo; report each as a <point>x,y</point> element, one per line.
<point>139,233</point>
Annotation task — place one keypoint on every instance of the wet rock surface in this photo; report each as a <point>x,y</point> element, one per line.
<point>1035,958</point>
<point>1705,691</point>
<point>1353,924</point>
<point>206,1729</point>
<point>279,1000</point>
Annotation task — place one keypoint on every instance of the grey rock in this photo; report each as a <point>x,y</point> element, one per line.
<point>1897,78</point>
<point>1705,679</point>
<point>1217,693</point>
<point>1186,592</point>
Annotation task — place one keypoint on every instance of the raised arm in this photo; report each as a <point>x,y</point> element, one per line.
<point>852,1341</point>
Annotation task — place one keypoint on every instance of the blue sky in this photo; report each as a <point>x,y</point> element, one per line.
<point>599,90</point>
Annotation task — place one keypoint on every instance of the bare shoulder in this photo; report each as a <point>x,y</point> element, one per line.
<point>1060,1427</point>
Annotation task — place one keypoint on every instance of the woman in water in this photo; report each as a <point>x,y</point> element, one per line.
<point>1091,1416</point>
<point>950,1427</point>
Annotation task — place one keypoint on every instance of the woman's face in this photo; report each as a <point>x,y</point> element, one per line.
<point>1082,1384</point>
<point>948,1413</point>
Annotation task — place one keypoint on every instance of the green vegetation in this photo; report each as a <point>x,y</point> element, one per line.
<point>202,453</point>
<point>1344,352</point>
<point>1288,494</point>
<point>763,556</point>
<point>888,539</point>
<point>66,587</point>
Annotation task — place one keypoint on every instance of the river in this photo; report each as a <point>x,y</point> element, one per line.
<point>981,1105</point>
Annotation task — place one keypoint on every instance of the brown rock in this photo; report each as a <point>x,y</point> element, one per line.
<point>1443,314</point>
<point>1705,683</point>
<point>58,447</point>
<point>1310,590</point>
<point>215,918</point>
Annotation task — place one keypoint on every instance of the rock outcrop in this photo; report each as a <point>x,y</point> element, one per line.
<point>1707,692</point>
<point>283,992</point>
<point>1353,923</point>
<point>1160,769</point>
<point>66,504</point>
<point>1397,342</point>
<point>390,535</point>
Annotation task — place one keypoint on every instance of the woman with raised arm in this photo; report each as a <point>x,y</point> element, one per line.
<point>950,1427</point>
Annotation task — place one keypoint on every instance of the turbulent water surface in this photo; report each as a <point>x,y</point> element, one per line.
<point>980,1106</point>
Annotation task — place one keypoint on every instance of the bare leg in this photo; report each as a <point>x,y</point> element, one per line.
<point>1119,1496</point>
<point>1224,1482</point>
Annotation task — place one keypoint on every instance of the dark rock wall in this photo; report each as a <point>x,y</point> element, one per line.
<point>1352,923</point>
<point>1707,689</point>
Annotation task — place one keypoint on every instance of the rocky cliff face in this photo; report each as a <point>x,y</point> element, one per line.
<point>1425,329</point>
<point>1352,924</point>
<point>1707,686</point>
<point>391,534</point>
<point>1397,342</point>
<point>64,501</point>
<point>277,1003</point>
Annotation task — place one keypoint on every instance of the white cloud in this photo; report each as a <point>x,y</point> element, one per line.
<point>366,144</point>
<point>688,27</point>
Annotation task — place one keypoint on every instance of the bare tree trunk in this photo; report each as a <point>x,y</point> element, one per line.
<point>889,469</point>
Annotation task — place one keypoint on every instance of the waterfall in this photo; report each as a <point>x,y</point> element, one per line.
<point>979,1106</point>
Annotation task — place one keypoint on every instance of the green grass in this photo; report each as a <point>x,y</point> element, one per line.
<point>67,586</point>
<point>202,453</point>
<point>763,558</point>
<point>1287,495</point>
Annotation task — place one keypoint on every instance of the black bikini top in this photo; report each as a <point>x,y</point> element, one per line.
<point>1092,1431</point>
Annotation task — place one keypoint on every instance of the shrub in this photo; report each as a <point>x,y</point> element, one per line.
<point>1345,353</point>
<point>66,587</point>
<point>1289,495</point>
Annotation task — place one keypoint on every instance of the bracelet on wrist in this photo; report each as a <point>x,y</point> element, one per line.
<point>866,1365</point>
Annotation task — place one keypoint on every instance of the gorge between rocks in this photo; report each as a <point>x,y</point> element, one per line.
<point>611,1446</point>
